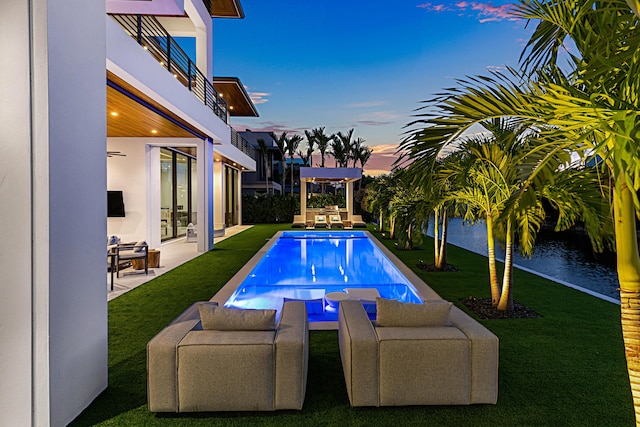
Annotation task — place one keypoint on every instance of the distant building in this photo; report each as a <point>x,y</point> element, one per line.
<point>265,179</point>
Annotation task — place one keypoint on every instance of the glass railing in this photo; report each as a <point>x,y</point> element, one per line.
<point>152,36</point>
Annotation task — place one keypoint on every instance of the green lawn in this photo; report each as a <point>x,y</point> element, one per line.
<point>565,368</point>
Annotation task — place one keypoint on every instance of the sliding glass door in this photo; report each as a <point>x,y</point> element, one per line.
<point>178,179</point>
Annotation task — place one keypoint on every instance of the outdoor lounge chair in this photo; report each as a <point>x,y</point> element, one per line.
<point>321,221</point>
<point>298,221</point>
<point>416,354</point>
<point>335,221</point>
<point>226,359</point>
<point>129,252</point>
<point>356,221</point>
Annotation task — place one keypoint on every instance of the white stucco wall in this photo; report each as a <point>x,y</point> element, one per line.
<point>53,313</point>
<point>128,174</point>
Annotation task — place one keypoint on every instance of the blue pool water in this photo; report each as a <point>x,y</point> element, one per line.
<point>307,266</point>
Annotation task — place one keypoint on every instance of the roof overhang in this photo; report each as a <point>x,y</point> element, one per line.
<point>330,174</point>
<point>238,100</point>
<point>226,9</point>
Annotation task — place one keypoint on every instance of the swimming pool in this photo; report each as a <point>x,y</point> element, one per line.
<point>309,265</point>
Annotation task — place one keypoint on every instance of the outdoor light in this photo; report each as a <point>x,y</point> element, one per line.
<point>154,131</point>
<point>114,114</point>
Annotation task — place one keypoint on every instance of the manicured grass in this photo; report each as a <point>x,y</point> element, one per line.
<point>566,368</point>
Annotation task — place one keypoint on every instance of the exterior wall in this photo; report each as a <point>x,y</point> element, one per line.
<point>130,174</point>
<point>53,358</point>
<point>152,7</point>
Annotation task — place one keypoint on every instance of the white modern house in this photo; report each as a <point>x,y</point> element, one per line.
<point>97,97</point>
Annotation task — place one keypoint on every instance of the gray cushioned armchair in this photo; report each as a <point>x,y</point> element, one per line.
<point>432,365</point>
<point>193,370</point>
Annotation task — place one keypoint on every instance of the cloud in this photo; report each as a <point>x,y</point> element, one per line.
<point>366,104</point>
<point>378,118</point>
<point>483,11</point>
<point>496,68</point>
<point>259,97</point>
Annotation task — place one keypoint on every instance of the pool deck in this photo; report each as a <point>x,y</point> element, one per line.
<point>424,291</point>
<point>172,255</point>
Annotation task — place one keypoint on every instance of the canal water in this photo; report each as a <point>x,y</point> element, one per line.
<point>565,258</point>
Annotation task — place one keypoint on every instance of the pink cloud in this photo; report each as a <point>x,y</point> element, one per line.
<point>485,12</point>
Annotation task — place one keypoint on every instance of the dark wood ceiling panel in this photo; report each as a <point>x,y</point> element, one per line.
<point>226,9</point>
<point>238,100</point>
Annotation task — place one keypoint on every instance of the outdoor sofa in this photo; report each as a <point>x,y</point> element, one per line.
<point>241,360</point>
<point>413,357</point>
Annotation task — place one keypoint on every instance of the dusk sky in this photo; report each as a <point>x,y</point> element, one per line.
<point>366,65</point>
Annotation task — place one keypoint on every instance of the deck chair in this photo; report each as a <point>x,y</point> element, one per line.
<point>132,251</point>
<point>321,221</point>
<point>335,221</point>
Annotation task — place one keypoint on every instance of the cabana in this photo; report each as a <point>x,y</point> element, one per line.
<point>346,176</point>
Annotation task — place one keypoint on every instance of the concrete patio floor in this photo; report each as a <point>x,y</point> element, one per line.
<point>172,255</point>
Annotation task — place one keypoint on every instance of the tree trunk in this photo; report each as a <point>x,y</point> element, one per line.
<point>491,255</point>
<point>443,240</point>
<point>436,238</point>
<point>381,220</point>
<point>506,301</point>
<point>292,176</point>
<point>628,264</point>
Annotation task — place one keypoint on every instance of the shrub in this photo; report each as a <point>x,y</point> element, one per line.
<point>268,209</point>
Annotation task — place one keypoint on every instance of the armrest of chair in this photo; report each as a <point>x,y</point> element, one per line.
<point>162,361</point>
<point>292,356</point>
<point>484,357</point>
<point>359,353</point>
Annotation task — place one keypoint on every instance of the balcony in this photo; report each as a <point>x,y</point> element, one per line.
<point>152,36</point>
<point>241,144</point>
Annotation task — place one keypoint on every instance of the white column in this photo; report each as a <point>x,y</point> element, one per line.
<point>349,198</point>
<point>205,190</point>
<point>303,198</point>
<point>53,311</point>
<point>153,195</point>
<point>239,195</point>
<point>218,198</point>
<point>204,36</point>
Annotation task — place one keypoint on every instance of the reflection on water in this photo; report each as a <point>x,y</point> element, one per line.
<point>566,259</point>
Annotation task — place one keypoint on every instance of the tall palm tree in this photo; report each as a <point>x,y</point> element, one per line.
<point>282,142</point>
<point>292,146</point>
<point>341,146</point>
<point>322,142</point>
<point>378,197</point>
<point>356,146</point>
<point>594,110</point>
<point>264,149</point>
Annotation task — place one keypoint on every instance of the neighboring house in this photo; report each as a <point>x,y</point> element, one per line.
<point>167,146</point>
<point>256,182</point>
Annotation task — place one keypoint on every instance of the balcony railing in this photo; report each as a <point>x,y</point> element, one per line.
<point>152,36</point>
<point>241,144</point>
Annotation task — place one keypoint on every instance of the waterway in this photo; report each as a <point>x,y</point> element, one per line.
<point>567,258</point>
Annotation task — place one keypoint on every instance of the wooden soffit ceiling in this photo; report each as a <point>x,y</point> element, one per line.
<point>226,9</point>
<point>238,100</point>
<point>128,117</point>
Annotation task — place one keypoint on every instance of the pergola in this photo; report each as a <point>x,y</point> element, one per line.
<point>332,175</point>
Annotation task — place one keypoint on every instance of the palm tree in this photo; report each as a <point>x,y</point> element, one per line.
<point>341,146</point>
<point>264,149</point>
<point>292,146</point>
<point>378,197</point>
<point>356,147</point>
<point>282,142</point>
<point>594,110</point>
<point>322,141</point>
